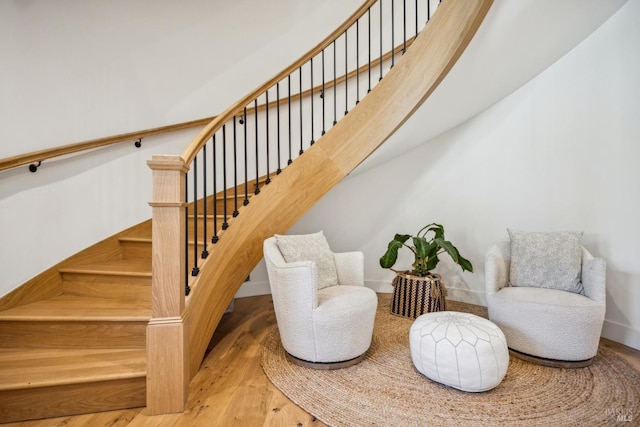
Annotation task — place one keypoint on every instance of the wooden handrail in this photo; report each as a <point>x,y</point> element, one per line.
<point>49,153</point>
<point>198,142</point>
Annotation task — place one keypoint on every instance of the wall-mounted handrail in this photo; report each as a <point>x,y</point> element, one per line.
<point>63,150</point>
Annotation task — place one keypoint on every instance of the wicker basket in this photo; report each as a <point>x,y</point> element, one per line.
<point>414,295</point>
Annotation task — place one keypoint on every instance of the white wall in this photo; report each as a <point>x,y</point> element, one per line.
<point>73,70</point>
<point>560,153</point>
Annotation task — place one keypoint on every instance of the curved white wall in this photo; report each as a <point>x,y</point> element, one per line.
<point>560,153</point>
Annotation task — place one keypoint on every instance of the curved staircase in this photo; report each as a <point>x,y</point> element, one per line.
<point>82,349</point>
<point>88,335</point>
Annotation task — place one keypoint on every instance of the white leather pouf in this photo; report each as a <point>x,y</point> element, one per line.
<point>460,350</point>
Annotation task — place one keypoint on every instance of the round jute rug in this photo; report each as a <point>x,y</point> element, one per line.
<point>385,389</point>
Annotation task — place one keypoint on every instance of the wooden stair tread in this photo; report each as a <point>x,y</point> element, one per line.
<point>116,267</point>
<point>31,368</point>
<point>143,233</point>
<point>241,194</point>
<point>80,308</point>
<point>141,239</point>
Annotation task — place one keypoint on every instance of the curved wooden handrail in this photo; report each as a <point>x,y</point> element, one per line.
<point>49,153</point>
<point>414,77</point>
<point>198,142</point>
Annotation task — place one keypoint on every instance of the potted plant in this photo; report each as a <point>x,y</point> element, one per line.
<point>426,249</point>
<point>418,291</point>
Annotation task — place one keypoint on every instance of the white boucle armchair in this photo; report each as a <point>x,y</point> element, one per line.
<point>324,328</point>
<point>555,327</point>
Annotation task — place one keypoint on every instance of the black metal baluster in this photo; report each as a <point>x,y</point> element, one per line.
<point>225,224</point>
<point>195,270</point>
<point>404,26</point>
<point>323,98</point>
<point>187,288</point>
<point>335,97</point>
<point>369,43</point>
<point>266,112</point>
<point>380,4</point>
<point>417,17</point>
<point>205,252</point>
<point>393,31</point>
<point>289,102</point>
<point>357,61</point>
<point>255,111</point>
<point>428,11</point>
<point>214,239</point>
<point>300,98</point>
<point>311,100</point>
<point>278,120</point>
<point>346,75</point>
<point>246,159</point>
<point>235,170</point>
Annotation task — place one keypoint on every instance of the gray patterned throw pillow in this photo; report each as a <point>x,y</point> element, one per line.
<point>546,260</point>
<point>310,247</point>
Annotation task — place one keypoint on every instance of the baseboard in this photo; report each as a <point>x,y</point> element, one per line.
<point>469,296</point>
<point>379,286</point>
<point>622,334</point>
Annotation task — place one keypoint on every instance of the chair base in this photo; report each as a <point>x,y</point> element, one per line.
<point>324,365</point>
<point>552,363</point>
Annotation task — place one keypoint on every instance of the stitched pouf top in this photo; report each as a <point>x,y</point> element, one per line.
<point>461,350</point>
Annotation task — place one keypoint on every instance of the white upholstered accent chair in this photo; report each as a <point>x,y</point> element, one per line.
<point>322,326</point>
<point>548,326</point>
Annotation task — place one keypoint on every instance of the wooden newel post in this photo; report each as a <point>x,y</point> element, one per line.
<point>167,342</point>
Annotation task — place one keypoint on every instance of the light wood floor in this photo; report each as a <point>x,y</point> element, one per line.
<point>231,389</point>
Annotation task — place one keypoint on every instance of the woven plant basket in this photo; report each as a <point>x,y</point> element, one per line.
<point>415,295</point>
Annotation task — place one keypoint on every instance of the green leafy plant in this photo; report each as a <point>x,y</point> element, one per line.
<point>427,246</point>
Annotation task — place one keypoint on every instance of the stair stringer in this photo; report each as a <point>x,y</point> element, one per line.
<point>290,194</point>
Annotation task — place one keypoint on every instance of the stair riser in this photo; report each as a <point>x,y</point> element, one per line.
<point>136,250</point>
<point>230,200</point>
<point>220,206</point>
<point>71,399</point>
<point>230,205</point>
<point>190,227</point>
<point>108,286</point>
<point>61,334</point>
<point>129,251</point>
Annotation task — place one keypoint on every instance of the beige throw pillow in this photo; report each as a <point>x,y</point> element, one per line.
<point>310,247</point>
<point>546,260</point>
